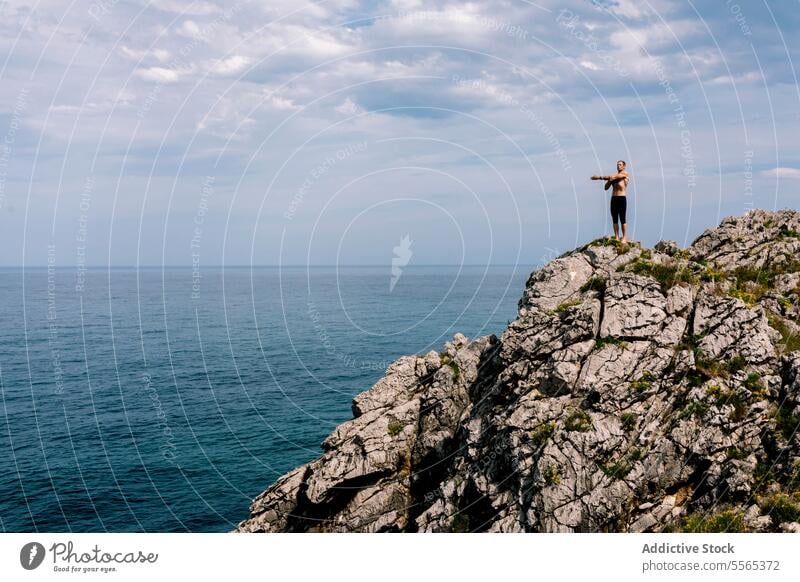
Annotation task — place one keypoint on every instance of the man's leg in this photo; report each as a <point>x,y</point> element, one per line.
<point>623,207</point>
<point>615,216</point>
<point>624,232</point>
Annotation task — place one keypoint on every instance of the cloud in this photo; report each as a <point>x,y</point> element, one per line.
<point>190,29</point>
<point>348,107</point>
<point>160,55</point>
<point>635,9</point>
<point>506,79</point>
<point>782,172</point>
<point>237,113</point>
<point>231,65</point>
<point>162,74</point>
<point>194,7</point>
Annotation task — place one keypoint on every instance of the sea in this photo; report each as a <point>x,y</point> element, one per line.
<point>166,399</point>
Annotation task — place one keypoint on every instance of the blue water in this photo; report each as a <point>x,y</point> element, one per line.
<point>154,400</point>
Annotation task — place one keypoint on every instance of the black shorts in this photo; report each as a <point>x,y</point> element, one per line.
<point>618,206</point>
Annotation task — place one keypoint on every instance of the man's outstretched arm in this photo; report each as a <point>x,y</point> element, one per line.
<point>613,178</point>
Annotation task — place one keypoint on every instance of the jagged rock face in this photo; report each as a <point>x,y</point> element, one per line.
<point>638,390</point>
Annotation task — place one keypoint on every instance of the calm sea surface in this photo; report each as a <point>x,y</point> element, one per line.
<point>154,400</point>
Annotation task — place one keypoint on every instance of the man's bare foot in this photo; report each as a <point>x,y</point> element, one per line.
<point>623,241</point>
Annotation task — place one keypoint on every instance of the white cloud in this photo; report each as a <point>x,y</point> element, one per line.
<point>305,11</point>
<point>159,55</point>
<point>349,107</point>
<point>782,172</point>
<point>751,77</point>
<point>281,102</point>
<point>406,4</point>
<point>635,9</point>
<point>637,49</point>
<point>628,9</point>
<point>308,43</point>
<point>235,114</point>
<point>379,64</point>
<point>162,74</point>
<point>459,24</point>
<point>195,7</point>
<point>190,29</point>
<point>230,65</point>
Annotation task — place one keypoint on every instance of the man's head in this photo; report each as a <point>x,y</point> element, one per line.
<point>620,165</point>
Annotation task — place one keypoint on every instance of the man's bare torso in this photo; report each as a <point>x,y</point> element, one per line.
<point>620,186</point>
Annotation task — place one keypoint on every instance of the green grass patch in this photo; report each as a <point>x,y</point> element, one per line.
<point>754,384</point>
<point>785,232</point>
<point>749,298</point>
<point>763,475</point>
<point>785,302</point>
<point>736,454</point>
<point>793,483</point>
<point>551,475</point>
<point>609,341</point>
<point>781,507</point>
<point>605,241</point>
<point>762,279</point>
<point>667,275</point>
<point>751,283</point>
<point>786,423</point>
<point>564,306</point>
<point>642,384</point>
<point>730,397</point>
<point>790,342</point>
<point>628,421</point>
<point>578,421</point>
<point>711,275</point>
<point>452,364</point>
<point>395,427</point>
<point>610,241</point>
<point>616,470</point>
<point>541,434</point>
<point>710,367</point>
<point>695,378</point>
<point>735,364</point>
<point>721,522</point>
<point>698,409</point>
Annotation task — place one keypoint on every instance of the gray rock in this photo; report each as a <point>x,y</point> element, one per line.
<point>668,247</point>
<point>635,388</point>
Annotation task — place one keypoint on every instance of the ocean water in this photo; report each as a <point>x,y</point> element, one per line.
<point>164,400</point>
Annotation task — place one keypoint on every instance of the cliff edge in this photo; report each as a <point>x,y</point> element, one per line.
<point>637,390</point>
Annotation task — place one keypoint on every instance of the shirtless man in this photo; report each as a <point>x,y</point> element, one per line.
<point>619,202</point>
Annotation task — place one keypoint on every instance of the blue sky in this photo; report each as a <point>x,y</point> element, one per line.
<point>294,132</point>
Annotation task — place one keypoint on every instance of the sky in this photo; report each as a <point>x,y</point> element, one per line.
<point>171,132</point>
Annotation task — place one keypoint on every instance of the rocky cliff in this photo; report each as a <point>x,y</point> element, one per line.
<point>637,390</point>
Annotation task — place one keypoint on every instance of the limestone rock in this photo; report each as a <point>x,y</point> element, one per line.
<point>637,390</point>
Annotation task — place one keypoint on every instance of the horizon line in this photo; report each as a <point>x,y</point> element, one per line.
<point>267,266</point>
